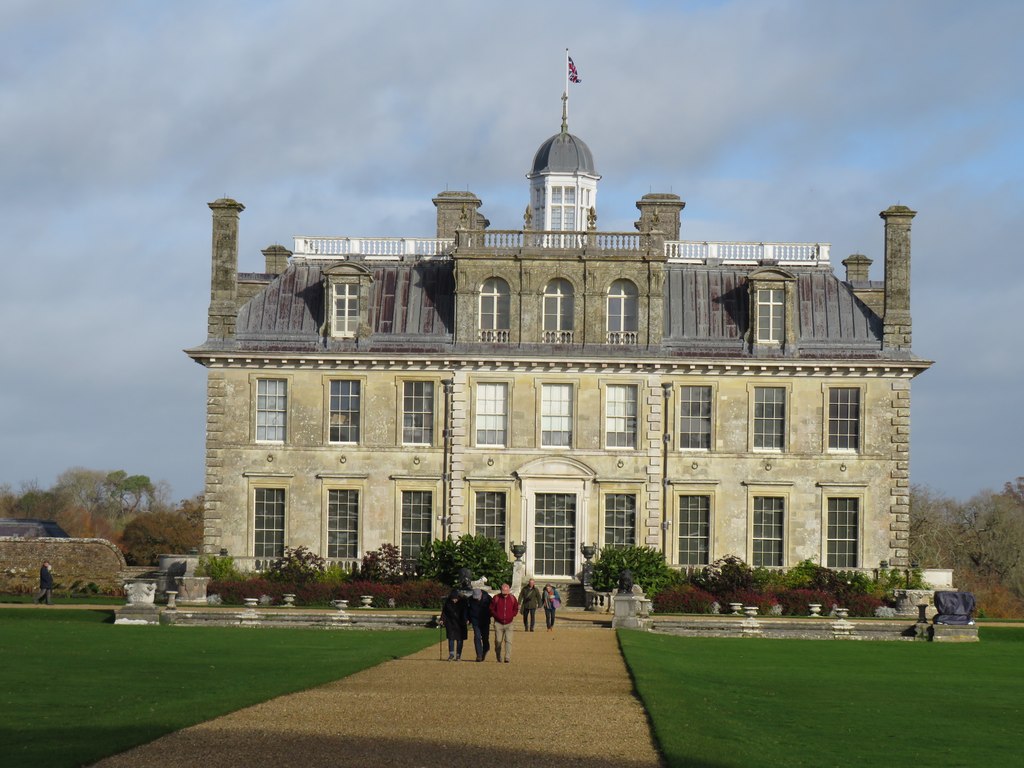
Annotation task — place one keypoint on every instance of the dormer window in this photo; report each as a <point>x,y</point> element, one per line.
<point>494,311</point>
<point>771,315</point>
<point>772,309</point>
<point>346,309</point>
<point>346,286</point>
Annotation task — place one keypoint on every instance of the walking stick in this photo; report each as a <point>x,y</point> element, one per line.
<point>440,640</point>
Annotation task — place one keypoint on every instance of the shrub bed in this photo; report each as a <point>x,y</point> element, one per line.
<point>407,594</point>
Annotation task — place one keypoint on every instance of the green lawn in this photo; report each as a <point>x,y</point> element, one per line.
<point>741,702</point>
<point>75,688</point>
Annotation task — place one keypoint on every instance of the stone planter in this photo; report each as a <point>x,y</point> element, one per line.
<point>140,591</point>
<point>736,608</point>
<point>750,610</point>
<point>251,603</point>
<point>289,600</point>
<point>192,589</point>
<point>366,600</point>
<point>341,605</point>
<point>815,609</point>
<point>842,613</point>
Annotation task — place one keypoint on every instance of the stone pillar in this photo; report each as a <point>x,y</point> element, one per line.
<point>277,259</point>
<point>896,319</point>
<point>858,267</point>
<point>458,210</point>
<point>224,269</point>
<point>660,211</point>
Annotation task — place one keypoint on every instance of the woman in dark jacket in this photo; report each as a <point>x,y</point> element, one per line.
<point>453,616</point>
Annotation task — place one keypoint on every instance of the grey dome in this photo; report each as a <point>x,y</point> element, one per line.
<point>563,153</point>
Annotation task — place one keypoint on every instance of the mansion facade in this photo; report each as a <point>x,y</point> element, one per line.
<point>557,385</point>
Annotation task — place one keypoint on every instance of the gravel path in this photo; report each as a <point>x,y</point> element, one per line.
<point>565,700</point>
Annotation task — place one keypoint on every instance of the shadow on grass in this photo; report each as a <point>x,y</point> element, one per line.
<point>255,746</point>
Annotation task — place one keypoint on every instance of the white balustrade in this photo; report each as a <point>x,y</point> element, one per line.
<point>623,337</point>
<point>698,252</point>
<point>494,336</point>
<point>678,251</point>
<point>556,337</point>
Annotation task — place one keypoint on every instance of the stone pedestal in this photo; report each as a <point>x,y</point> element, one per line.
<point>171,567</point>
<point>954,633</point>
<point>907,601</point>
<point>518,576</point>
<point>630,611</point>
<point>140,607</point>
<point>192,589</point>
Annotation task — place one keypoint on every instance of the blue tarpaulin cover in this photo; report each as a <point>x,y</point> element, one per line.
<point>954,607</point>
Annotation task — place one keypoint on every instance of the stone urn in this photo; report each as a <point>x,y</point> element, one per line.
<point>736,608</point>
<point>518,550</point>
<point>366,600</point>
<point>251,603</point>
<point>842,613</point>
<point>140,591</point>
<point>289,600</point>
<point>815,609</point>
<point>341,605</point>
<point>750,611</point>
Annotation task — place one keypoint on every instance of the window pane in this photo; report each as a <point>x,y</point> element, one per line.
<point>555,534</point>
<point>268,523</point>
<point>770,417</point>
<point>343,523</point>
<point>694,529</point>
<point>491,413</point>
<point>418,413</point>
<point>619,520</point>
<point>417,509</point>
<point>768,512</point>
<point>844,418</point>
<point>494,305</point>
<point>344,412</point>
<point>695,417</point>
<point>490,515</point>
<point>620,416</point>
<point>271,409</point>
<point>843,528</point>
<point>771,315</point>
<point>622,307</point>
<point>346,309</point>
<point>556,415</point>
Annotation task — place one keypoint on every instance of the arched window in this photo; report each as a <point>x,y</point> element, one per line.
<point>558,312</point>
<point>494,310</point>
<point>622,313</point>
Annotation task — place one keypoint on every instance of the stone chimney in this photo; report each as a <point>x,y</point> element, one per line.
<point>896,316</point>
<point>660,211</point>
<point>858,266</point>
<point>277,259</point>
<point>458,209</point>
<point>224,269</point>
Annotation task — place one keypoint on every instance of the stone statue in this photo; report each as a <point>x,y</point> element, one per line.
<point>626,582</point>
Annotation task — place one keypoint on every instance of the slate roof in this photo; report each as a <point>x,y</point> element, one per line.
<point>31,528</point>
<point>412,310</point>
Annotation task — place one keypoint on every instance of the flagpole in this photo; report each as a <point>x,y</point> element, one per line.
<point>566,70</point>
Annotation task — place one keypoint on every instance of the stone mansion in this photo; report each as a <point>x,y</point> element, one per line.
<point>557,385</point>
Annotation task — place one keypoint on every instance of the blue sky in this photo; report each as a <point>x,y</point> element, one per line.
<point>779,121</point>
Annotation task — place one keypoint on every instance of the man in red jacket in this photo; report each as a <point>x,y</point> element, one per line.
<point>504,609</point>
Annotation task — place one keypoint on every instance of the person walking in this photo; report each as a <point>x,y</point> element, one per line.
<point>552,602</point>
<point>45,584</point>
<point>530,599</point>
<point>453,616</point>
<point>478,609</point>
<point>504,608</point>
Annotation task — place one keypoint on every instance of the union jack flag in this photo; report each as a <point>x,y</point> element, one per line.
<point>574,76</point>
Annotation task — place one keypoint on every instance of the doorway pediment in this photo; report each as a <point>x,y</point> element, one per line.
<point>555,467</point>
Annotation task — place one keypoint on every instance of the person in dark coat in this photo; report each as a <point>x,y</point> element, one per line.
<point>45,584</point>
<point>453,616</point>
<point>478,608</point>
<point>530,599</point>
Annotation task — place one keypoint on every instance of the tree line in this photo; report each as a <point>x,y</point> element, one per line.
<point>981,539</point>
<point>132,511</point>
